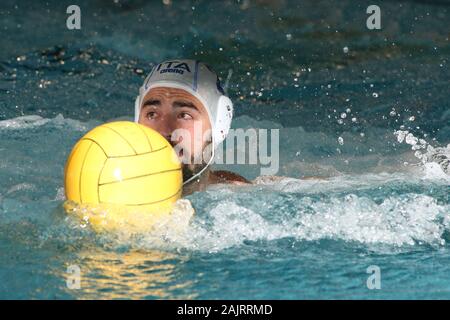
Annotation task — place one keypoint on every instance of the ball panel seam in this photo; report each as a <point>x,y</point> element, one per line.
<point>140,176</point>
<point>98,180</point>
<point>98,144</point>
<point>143,132</point>
<point>126,140</point>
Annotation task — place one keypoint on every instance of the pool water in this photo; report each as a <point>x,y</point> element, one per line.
<point>368,111</point>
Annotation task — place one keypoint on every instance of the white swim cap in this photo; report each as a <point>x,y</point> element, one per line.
<point>202,82</point>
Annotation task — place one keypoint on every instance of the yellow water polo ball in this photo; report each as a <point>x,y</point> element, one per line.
<point>123,163</point>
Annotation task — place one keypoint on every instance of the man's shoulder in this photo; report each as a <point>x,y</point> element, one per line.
<point>222,176</point>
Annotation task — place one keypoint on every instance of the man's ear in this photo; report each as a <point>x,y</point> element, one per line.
<point>223,121</point>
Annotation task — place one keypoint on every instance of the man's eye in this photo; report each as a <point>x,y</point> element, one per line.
<point>151,115</point>
<point>185,116</point>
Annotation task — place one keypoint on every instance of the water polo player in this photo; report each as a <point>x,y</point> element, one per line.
<point>184,101</point>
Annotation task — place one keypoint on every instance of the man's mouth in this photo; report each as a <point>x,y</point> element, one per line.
<point>180,151</point>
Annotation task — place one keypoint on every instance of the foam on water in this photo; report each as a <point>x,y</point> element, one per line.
<point>410,220</point>
<point>32,121</point>
<point>403,220</point>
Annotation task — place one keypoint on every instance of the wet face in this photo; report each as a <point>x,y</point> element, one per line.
<point>183,120</point>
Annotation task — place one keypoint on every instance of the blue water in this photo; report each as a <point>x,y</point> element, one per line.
<point>351,105</point>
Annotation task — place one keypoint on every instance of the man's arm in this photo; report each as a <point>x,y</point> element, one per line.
<point>222,176</point>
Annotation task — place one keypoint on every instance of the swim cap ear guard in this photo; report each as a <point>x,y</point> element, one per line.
<point>202,82</point>
<point>223,118</point>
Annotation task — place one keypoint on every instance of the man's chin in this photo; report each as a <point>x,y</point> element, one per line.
<point>189,170</point>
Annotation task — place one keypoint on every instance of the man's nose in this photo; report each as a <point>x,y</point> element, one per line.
<point>167,128</point>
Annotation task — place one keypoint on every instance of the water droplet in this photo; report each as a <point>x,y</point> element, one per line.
<point>410,139</point>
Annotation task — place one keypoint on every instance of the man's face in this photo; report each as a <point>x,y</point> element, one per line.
<point>181,118</point>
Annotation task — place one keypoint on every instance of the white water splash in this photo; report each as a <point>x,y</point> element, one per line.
<point>23,122</point>
<point>398,221</point>
<point>32,121</point>
<point>435,160</point>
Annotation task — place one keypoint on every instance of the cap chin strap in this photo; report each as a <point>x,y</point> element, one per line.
<point>137,110</point>
<point>201,171</point>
